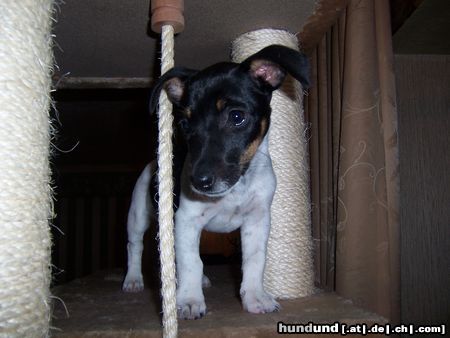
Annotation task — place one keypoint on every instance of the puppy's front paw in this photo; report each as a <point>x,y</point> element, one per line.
<point>259,302</point>
<point>133,282</point>
<point>191,309</point>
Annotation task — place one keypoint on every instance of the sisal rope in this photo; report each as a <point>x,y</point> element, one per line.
<point>165,217</point>
<point>289,271</point>
<point>26,62</point>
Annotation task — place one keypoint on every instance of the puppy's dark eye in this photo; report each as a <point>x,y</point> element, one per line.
<point>236,117</point>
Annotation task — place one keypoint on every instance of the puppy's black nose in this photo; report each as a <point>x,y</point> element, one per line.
<point>203,182</point>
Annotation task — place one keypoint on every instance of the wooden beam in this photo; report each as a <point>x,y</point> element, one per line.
<point>69,82</point>
<point>324,17</point>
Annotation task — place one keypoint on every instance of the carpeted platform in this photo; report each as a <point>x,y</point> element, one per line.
<point>98,308</point>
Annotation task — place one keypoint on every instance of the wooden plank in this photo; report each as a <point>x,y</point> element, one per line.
<point>112,228</point>
<point>69,82</point>
<point>100,168</point>
<point>79,235</point>
<point>96,232</point>
<point>61,237</point>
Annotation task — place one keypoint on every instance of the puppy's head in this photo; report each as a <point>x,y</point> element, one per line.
<point>224,112</point>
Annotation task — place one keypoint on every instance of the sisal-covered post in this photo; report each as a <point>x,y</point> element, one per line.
<point>167,19</point>
<point>26,62</point>
<point>289,271</point>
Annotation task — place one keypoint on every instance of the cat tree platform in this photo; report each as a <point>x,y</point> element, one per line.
<point>97,307</point>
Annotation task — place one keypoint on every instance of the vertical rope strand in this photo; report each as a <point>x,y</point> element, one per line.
<point>165,217</point>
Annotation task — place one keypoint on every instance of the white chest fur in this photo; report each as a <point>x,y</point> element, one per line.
<point>245,202</point>
<point>226,214</point>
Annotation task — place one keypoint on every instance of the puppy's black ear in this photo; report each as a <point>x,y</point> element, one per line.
<point>271,64</point>
<point>173,82</point>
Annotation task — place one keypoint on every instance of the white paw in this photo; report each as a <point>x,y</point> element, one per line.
<point>191,309</point>
<point>133,282</point>
<point>259,302</point>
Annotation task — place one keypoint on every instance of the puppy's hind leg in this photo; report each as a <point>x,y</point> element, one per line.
<point>138,222</point>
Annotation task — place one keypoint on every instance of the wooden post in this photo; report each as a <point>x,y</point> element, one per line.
<point>167,12</point>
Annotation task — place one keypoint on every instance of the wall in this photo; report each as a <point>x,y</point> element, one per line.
<point>423,98</point>
<point>104,139</point>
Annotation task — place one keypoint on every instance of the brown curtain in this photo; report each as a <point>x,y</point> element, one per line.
<point>351,109</point>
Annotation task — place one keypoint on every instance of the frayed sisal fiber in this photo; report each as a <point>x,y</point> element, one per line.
<point>289,271</point>
<point>25,196</point>
<point>165,209</point>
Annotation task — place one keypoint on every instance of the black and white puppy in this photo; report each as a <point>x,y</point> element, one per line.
<point>227,180</point>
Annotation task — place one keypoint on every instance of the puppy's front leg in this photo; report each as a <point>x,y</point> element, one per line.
<point>254,236</point>
<point>190,299</point>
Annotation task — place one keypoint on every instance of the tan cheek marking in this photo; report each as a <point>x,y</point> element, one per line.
<point>250,151</point>
<point>253,147</point>
<point>220,104</point>
<point>263,128</point>
<point>188,113</point>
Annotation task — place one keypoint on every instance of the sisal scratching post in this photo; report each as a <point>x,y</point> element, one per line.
<point>25,195</point>
<point>289,270</point>
<point>167,19</point>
